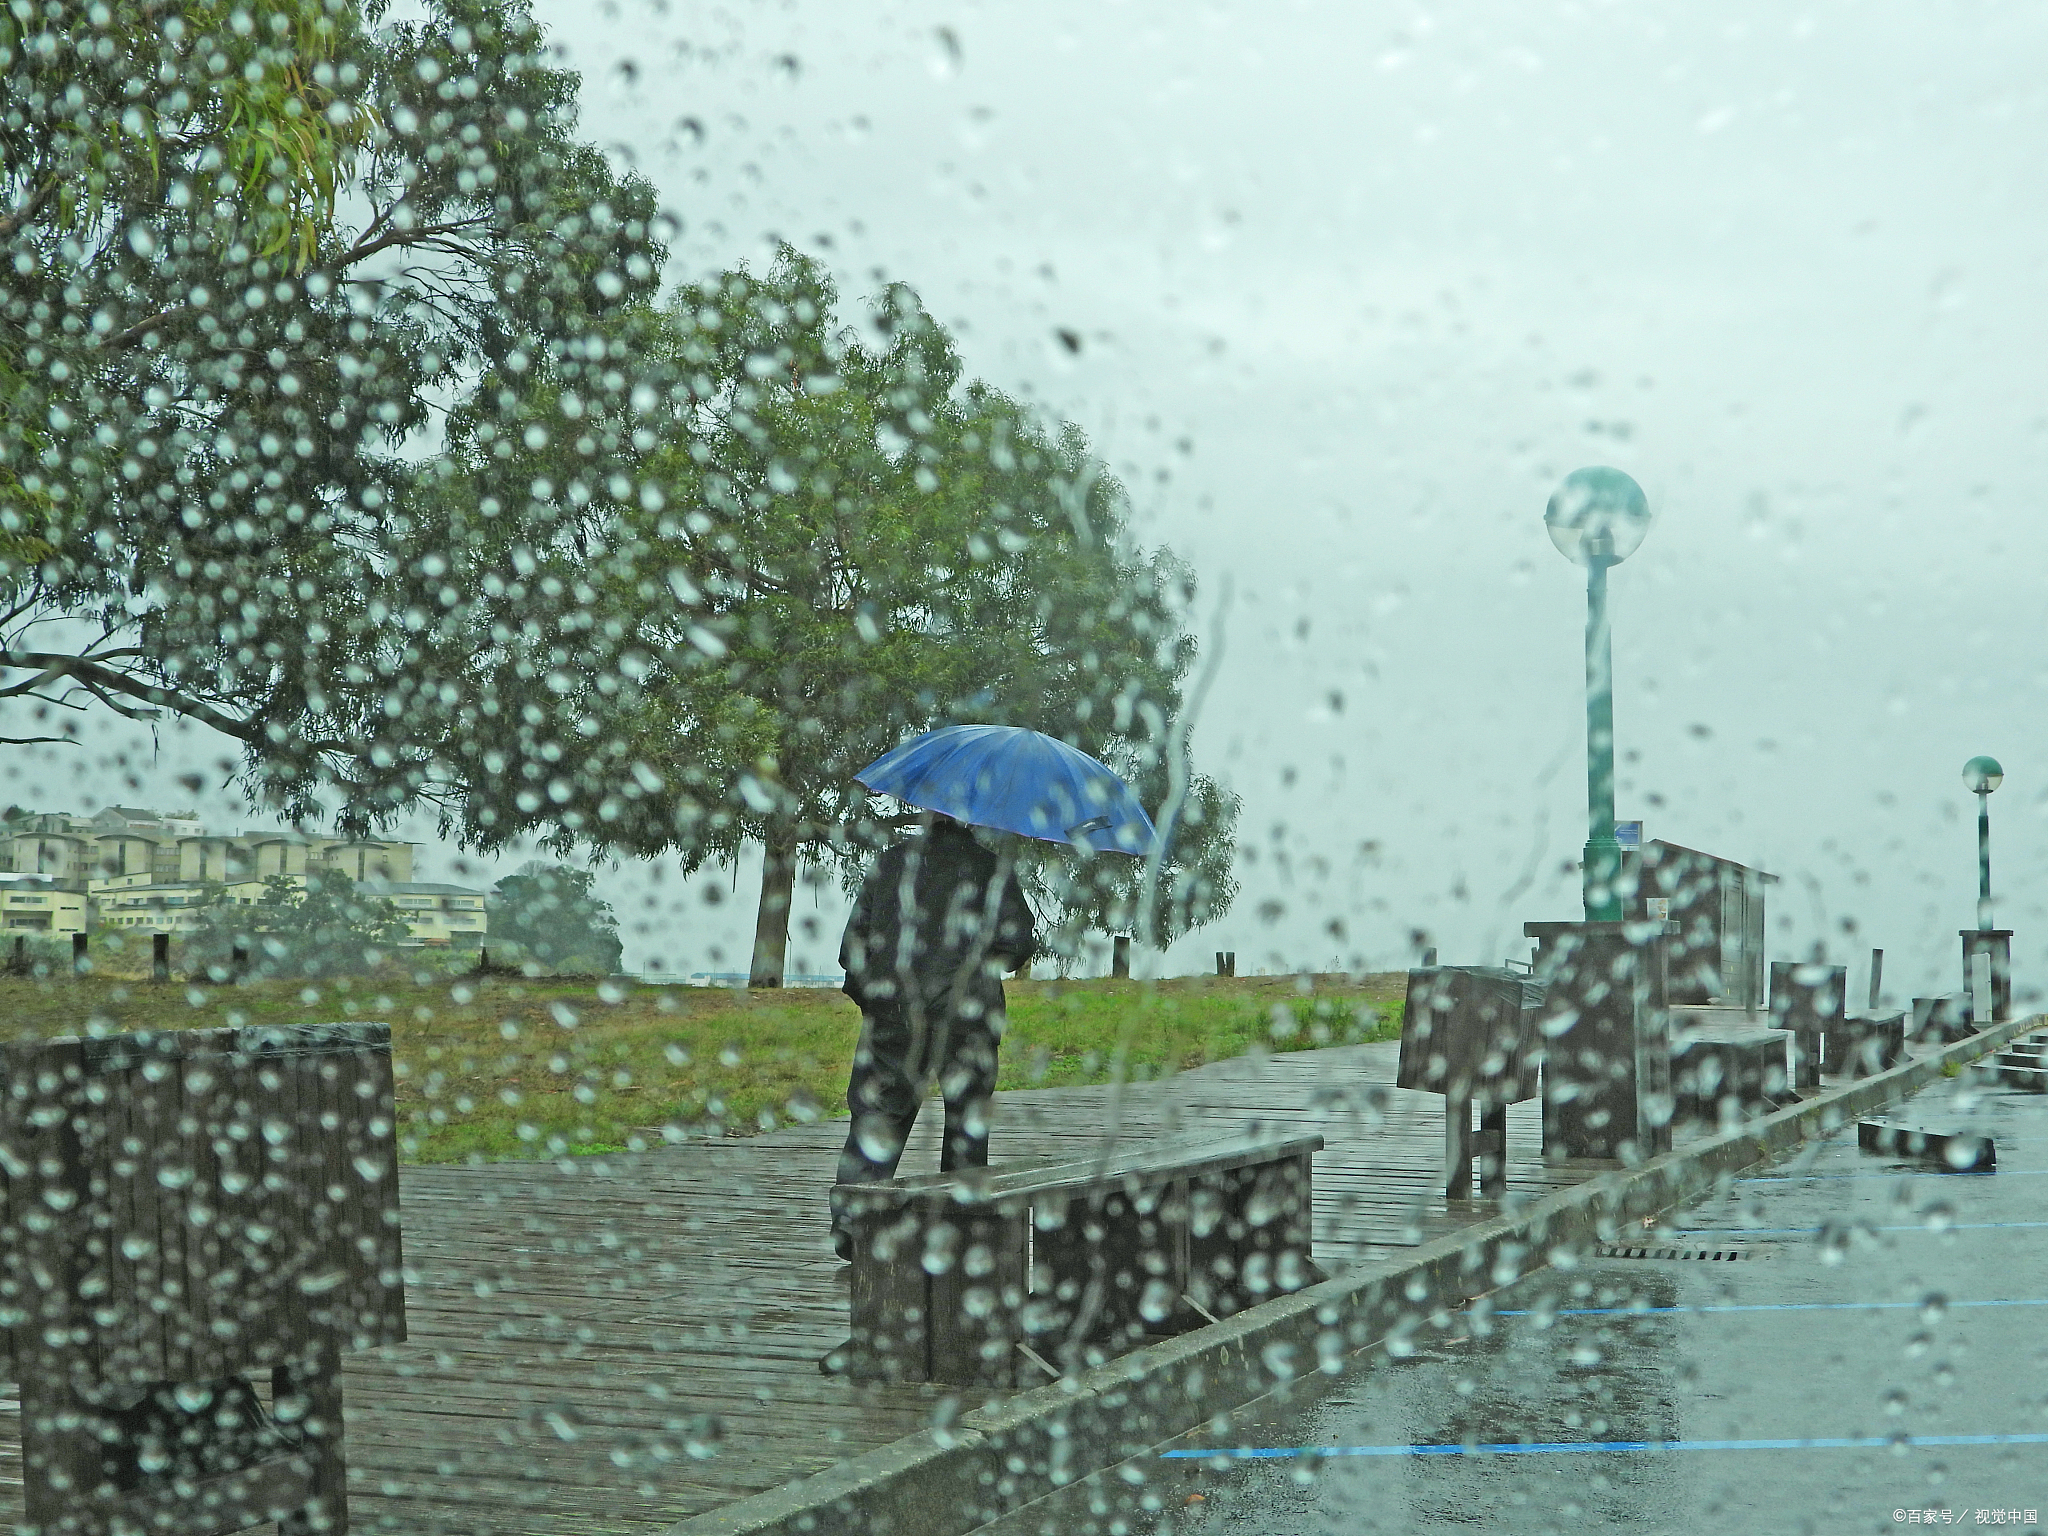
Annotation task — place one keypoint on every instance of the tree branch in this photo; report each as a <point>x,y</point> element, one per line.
<point>101,681</point>
<point>366,249</point>
<point>12,224</point>
<point>142,328</point>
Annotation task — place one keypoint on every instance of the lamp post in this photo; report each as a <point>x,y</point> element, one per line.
<point>1983,775</point>
<point>1598,517</point>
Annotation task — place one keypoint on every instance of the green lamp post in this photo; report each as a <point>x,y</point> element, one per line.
<point>1983,775</point>
<point>1598,518</point>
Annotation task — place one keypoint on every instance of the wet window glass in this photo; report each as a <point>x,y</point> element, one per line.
<point>1045,769</point>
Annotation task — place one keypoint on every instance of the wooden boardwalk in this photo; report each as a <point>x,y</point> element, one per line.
<point>611,1344</point>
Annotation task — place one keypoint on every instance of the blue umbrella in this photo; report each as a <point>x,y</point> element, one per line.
<point>1014,780</point>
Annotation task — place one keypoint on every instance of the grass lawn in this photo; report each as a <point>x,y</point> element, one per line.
<point>510,1068</point>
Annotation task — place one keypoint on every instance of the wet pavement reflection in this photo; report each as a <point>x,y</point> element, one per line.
<point>1875,1356</point>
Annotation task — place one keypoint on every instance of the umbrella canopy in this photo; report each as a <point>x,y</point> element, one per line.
<point>1014,780</point>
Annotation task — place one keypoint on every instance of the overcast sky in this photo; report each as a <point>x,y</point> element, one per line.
<point>1356,285</point>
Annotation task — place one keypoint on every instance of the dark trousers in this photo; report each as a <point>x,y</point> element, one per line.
<point>893,1067</point>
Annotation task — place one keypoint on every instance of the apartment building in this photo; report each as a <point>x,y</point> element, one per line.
<point>133,847</point>
<point>435,914</point>
<point>37,904</point>
<point>169,907</point>
<point>145,871</point>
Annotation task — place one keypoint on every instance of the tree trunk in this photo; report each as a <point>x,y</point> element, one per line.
<point>771,923</point>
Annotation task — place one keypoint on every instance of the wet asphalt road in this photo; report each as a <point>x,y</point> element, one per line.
<point>1879,1303</point>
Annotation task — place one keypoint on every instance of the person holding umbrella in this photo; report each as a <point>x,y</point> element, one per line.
<point>941,917</point>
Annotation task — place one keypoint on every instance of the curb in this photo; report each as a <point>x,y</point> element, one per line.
<point>993,1461</point>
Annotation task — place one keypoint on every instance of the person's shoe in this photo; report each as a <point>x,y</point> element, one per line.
<point>836,1361</point>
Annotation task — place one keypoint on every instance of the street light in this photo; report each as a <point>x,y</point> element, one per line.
<point>1598,517</point>
<point>1983,775</point>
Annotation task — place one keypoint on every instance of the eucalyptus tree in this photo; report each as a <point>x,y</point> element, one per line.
<point>247,251</point>
<point>815,540</point>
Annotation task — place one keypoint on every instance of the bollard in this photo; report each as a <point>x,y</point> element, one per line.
<point>1220,971</point>
<point>160,957</point>
<point>79,963</point>
<point>19,965</point>
<point>1876,976</point>
<point>1429,958</point>
<point>1120,957</point>
<point>238,962</point>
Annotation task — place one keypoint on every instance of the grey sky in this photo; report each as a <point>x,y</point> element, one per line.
<point>1356,285</point>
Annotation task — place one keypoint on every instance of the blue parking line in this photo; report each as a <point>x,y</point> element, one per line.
<point>1762,1306</point>
<point>1911,1226</point>
<point>1598,1447</point>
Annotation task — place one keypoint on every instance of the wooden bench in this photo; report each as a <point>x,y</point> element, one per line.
<point>180,1212</point>
<point>1001,1277</point>
<point>1725,1072</point>
<point>1469,1032</point>
<point>1940,1020</point>
<point>1863,1046</point>
<point>1810,1000</point>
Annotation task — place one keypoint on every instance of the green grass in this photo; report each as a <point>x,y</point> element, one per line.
<point>522,1068</point>
<point>1068,1033</point>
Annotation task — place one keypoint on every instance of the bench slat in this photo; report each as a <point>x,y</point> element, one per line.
<point>1156,1160</point>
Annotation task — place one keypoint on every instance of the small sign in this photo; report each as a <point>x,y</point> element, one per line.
<point>1629,833</point>
<point>1659,908</point>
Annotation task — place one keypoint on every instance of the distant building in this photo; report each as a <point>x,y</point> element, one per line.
<point>435,914</point>
<point>146,871</point>
<point>36,904</point>
<point>171,907</point>
<point>59,847</point>
<point>127,818</point>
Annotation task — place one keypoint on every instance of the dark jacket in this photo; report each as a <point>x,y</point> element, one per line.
<point>935,926</point>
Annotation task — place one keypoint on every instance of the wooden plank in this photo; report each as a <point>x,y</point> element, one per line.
<point>152,1124</point>
<point>203,1079</point>
<point>134,1267</point>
